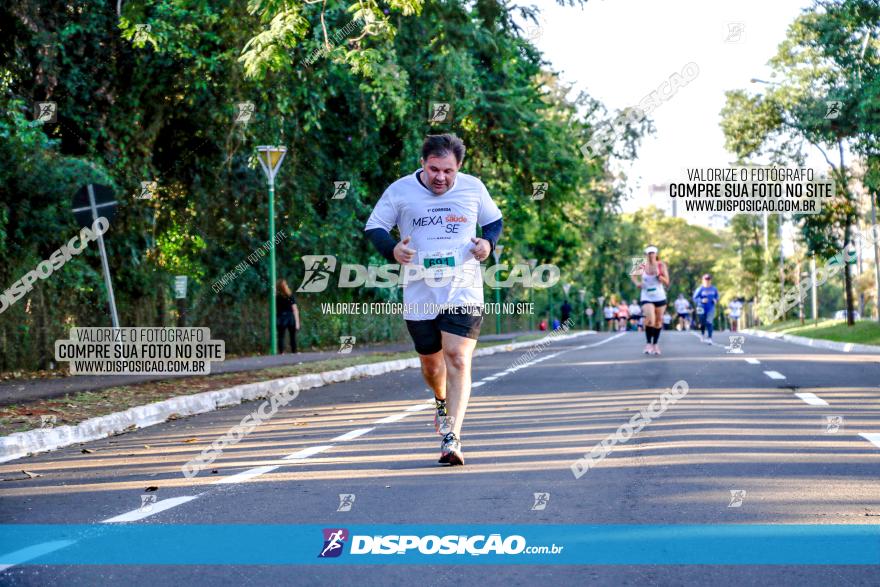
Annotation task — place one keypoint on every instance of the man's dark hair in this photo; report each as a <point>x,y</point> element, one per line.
<point>442,145</point>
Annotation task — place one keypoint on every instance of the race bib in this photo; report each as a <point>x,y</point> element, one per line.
<point>700,310</point>
<point>440,263</point>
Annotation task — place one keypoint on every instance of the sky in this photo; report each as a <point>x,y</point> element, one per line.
<point>619,51</point>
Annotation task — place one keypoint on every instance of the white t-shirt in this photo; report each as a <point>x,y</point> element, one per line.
<point>441,228</point>
<point>652,288</point>
<point>735,308</point>
<point>681,306</point>
<point>635,310</point>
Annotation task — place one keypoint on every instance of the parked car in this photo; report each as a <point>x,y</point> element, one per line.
<point>841,315</point>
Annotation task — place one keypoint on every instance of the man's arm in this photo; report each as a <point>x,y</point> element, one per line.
<point>492,232</point>
<point>383,241</point>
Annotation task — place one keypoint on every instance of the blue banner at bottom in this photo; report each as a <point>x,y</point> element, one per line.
<point>154,544</point>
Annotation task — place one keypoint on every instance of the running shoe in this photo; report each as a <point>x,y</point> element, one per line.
<point>657,350</point>
<point>450,450</point>
<point>440,415</point>
<point>647,350</point>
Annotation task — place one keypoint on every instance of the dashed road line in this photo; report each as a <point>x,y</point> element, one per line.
<point>307,452</point>
<point>812,399</point>
<point>872,437</point>
<point>392,418</point>
<point>140,513</point>
<point>352,434</point>
<point>752,361</point>
<point>774,374</point>
<point>18,557</point>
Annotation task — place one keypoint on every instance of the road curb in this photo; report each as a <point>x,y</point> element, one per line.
<point>845,347</point>
<point>22,444</point>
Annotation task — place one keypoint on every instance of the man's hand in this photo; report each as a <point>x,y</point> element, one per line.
<point>481,249</point>
<point>402,253</point>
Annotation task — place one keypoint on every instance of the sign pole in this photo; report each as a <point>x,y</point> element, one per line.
<point>272,293</point>
<point>112,300</point>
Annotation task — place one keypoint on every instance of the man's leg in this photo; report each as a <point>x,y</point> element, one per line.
<point>434,372</point>
<point>457,354</point>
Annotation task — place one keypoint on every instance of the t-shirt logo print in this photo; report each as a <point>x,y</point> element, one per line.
<point>334,541</point>
<point>319,268</point>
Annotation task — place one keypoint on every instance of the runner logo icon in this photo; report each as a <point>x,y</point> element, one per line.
<point>334,541</point>
<point>319,268</point>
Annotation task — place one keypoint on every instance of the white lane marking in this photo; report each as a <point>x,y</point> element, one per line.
<point>10,559</point>
<point>601,342</point>
<point>352,434</point>
<point>774,374</point>
<point>812,399</point>
<point>392,418</point>
<point>245,475</point>
<point>872,437</point>
<point>140,514</point>
<point>478,383</point>
<point>490,378</point>
<point>752,361</point>
<point>307,452</point>
<point>419,407</point>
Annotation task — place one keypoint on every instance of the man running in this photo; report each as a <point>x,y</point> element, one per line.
<point>436,210</point>
<point>654,280</point>
<point>609,312</point>
<point>705,297</point>
<point>635,316</point>
<point>735,308</point>
<point>683,309</point>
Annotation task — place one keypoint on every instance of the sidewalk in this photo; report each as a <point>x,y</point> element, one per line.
<point>16,391</point>
<point>844,347</point>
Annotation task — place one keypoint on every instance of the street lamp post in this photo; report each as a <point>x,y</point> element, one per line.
<point>496,252</point>
<point>270,158</point>
<point>582,294</point>
<point>532,264</point>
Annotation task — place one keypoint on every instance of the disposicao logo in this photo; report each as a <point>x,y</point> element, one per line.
<point>334,541</point>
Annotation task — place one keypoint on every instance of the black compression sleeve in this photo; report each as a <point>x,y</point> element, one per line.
<point>492,232</point>
<point>383,242</point>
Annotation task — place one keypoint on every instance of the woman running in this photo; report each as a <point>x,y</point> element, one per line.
<point>654,280</point>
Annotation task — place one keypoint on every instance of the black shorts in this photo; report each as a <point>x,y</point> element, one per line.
<point>659,304</point>
<point>680,315</point>
<point>461,320</point>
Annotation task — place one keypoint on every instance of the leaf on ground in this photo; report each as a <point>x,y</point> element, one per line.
<point>87,451</point>
<point>191,440</point>
<point>152,488</point>
<point>31,475</point>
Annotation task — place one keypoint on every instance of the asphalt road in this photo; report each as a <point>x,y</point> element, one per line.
<point>753,424</point>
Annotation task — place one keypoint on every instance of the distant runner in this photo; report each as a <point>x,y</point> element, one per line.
<point>608,311</point>
<point>705,297</point>
<point>622,315</point>
<point>735,309</point>
<point>683,309</point>
<point>635,315</point>
<point>437,210</point>
<point>654,278</point>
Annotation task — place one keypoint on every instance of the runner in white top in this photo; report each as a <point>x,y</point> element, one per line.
<point>735,308</point>
<point>437,210</point>
<point>683,309</point>
<point>654,279</point>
